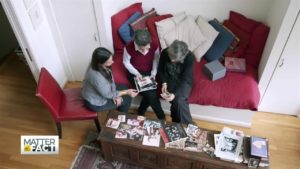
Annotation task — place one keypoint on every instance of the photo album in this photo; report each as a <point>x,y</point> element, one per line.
<point>147,83</point>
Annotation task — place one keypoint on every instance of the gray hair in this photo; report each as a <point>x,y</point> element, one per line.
<point>142,37</point>
<point>177,51</point>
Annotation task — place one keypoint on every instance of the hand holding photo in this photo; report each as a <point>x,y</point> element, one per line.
<point>168,96</point>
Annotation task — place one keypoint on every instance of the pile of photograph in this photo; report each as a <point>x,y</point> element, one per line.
<point>149,131</point>
<point>138,129</point>
<point>256,152</point>
<point>232,145</point>
<point>228,145</point>
<point>197,139</point>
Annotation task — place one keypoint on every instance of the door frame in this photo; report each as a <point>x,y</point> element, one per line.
<point>13,20</point>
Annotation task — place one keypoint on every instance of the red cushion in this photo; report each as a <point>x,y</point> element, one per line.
<point>235,90</point>
<point>118,19</point>
<point>256,45</point>
<point>152,28</point>
<point>119,70</point>
<point>73,107</point>
<point>242,35</point>
<point>242,22</point>
<point>50,93</point>
<point>64,104</point>
<point>141,22</point>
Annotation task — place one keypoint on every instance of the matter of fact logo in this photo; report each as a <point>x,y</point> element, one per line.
<point>39,145</point>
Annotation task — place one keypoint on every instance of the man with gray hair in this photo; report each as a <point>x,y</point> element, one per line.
<point>175,71</point>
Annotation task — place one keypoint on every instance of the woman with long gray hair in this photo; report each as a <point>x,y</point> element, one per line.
<point>175,71</point>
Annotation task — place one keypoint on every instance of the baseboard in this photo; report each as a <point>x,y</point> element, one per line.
<point>229,116</point>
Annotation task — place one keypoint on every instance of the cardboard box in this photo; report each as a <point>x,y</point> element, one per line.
<point>214,70</point>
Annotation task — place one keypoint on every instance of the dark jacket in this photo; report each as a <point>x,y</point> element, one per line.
<point>176,74</point>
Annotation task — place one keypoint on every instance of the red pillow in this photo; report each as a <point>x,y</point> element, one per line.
<point>152,27</point>
<point>118,19</point>
<point>242,35</point>
<point>242,22</point>
<point>141,22</point>
<point>256,45</point>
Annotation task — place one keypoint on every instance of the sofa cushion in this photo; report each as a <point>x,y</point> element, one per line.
<point>188,32</point>
<point>221,44</point>
<point>118,19</point>
<point>244,23</point>
<point>140,23</point>
<point>152,28</point>
<point>164,26</point>
<point>256,45</point>
<point>209,32</point>
<point>242,35</point>
<point>119,70</point>
<point>236,39</point>
<point>125,31</point>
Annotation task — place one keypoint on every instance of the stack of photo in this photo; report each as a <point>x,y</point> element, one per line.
<point>173,135</point>
<point>256,152</point>
<point>228,145</point>
<point>137,129</point>
<point>151,132</point>
<point>197,138</point>
<point>132,129</point>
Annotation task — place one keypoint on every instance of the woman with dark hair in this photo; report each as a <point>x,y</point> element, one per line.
<point>99,89</point>
<point>175,71</point>
<point>141,59</point>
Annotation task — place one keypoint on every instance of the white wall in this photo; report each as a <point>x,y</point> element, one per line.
<point>40,39</point>
<point>209,9</point>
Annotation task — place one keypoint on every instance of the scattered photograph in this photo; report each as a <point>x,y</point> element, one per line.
<point>133,122</point>
<point>122,118</point>
<point>113,123</point>
<point>141,120</point>
<point>121,134</point>
<point>151,137</point>
<point>152,123</point>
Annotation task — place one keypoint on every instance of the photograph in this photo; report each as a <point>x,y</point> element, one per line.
<point>147,83</point>
<point>121,134</point>
<point>151,136</point>
<point>253,163</point>
<point>122,118</point>
<point>152,123</point>
<point>113,123</point>
<point>133,122</point>
<point>229,144</point>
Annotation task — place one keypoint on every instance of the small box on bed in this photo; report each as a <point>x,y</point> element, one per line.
<point>214,70</point>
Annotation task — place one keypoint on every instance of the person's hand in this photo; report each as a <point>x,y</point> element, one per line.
<point>170,97</point>
<point>132,92</point>
<point>118,101</point>
<point>164,88</point>
<point>139,77</point>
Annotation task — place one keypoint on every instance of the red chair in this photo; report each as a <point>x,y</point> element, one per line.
<point>64,104</point>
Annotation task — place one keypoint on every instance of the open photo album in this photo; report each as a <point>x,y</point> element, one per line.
<point>147,83</point>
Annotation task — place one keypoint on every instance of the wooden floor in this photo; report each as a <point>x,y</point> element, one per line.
<point>22,114</point>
